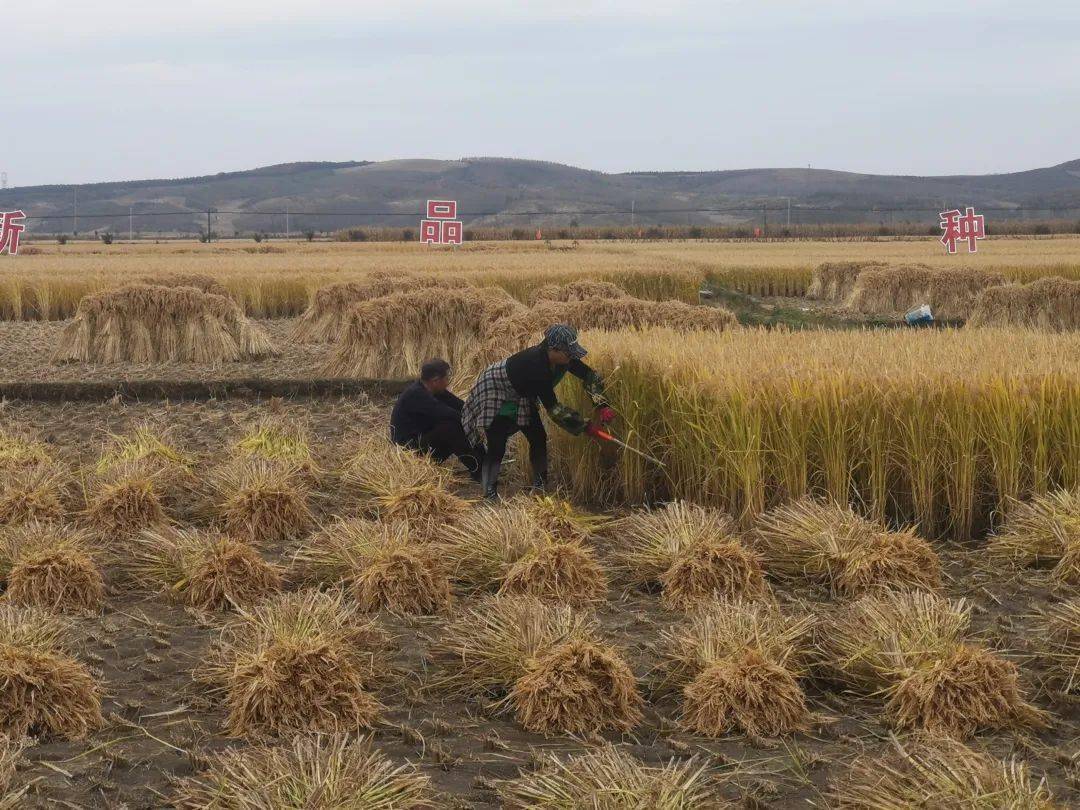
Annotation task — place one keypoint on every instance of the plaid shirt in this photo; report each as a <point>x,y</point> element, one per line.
<point>491,391</point>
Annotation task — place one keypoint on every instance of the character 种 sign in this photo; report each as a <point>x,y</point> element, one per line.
<point>441,227</point>
<point>11,225</point>
<point>967,227</point>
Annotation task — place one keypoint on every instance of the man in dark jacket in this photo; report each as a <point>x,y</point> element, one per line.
<point>427,418</point>
<point>504,401</point>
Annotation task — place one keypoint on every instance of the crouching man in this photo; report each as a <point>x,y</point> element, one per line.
<point>427,418</point>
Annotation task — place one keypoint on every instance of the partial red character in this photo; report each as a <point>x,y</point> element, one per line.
<point>11,225</point>
<point>972,227</point>
<point>950,229</point>
<point>430,232</point>
<point>442,209</point>
<point>451,232</point>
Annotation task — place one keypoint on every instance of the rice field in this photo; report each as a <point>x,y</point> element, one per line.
<point>850,583</point>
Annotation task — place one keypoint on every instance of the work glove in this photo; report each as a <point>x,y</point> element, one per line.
<point>568,419</point>
<point>593,429</point>
<point>606,414</point>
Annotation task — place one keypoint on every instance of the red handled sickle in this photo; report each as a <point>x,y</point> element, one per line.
<point>598,432</point>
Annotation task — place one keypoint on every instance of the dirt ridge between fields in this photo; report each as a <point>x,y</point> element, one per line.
<point>142,390</point>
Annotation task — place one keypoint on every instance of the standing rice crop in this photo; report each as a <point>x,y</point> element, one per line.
<point>45,691</point>
<point>50,566</point>
<point>298,662</point>
<point>1044,530</point>
<point>691,552</point>
<point>260,501</point>
<point>39,491</point>
<point>332,771</point>
<point>830,544</point>
<point>379,566</point>
<point>738,666</point>
<point>204,569</point>
<point>914,649</point>
<point>545,663</point>
<point>611,779</point>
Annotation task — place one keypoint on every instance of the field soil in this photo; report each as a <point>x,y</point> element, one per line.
<point>161,725</point>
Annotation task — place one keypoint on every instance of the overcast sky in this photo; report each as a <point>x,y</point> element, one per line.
<point>123,89</point>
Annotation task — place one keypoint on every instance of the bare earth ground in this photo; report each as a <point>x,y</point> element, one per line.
<point>161,725</point>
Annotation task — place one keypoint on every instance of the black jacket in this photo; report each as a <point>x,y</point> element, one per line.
<point>532,376</point>
<point>417,411</point>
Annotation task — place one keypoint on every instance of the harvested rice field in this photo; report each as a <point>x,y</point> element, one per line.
<point>846,578</point>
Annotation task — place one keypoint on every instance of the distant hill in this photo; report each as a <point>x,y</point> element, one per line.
<point>490,190</point>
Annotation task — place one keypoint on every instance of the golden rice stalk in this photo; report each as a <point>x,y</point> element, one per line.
<point>200,281</point>
<point>50,566</point>
<point>1056,640</point>
<point>298,662</point>
<point>261,501</point>
<point>912,647</point>
<point>582,290</point>
<point>128,497</point>
<point>1037,531</point>
<point>950,292</point>
<point>691,551</point>
<point>204,569</point>
<point>561,518</point>
<point>942,771</point>
<point>19,448</point>
<point>1067,571</point>
<point>11,794</point>
<point>276,439</point>
<point>609,778</point>
<point>504,547</point>
<point>1051,304</point>
<point>738,665</point>
<point>833,281</point>
<point>155,324</point>
<point>378,565</point>
<point>45,691</point>
<point>829,544</point>
<point>546,662</point>
<point>40,491</point>
<point>333,771</point>
<point>145,444</point>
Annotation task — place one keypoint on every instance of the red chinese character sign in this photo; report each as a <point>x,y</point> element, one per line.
<point>11,225</point>
<point>441,226</point>
<point>967,227</point>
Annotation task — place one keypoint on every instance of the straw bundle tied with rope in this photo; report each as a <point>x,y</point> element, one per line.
<point>155,324</point>
<point>260,501</point>
<point>1044,530</point>
<point>951,292</point>
<point>833,281</point>
<point>1050,304</point>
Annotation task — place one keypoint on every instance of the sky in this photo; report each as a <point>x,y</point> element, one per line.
<point>130,89</point>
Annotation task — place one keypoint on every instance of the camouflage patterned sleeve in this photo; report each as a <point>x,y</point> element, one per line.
<point>567,418</point>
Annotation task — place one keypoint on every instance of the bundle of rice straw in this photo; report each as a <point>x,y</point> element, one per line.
<point>1041,531</point>
<point>46,691</point>
<point>505,547</point>
<point>277,439</point>
<point>692,552</point>
<point>546,663</point>
<point>129,496</point>
<point>391,337</point>
<point>913,649</point>
<point>333,771</point>
<point>20,448</point>
<point>50,566</point>
<point>738,666</point>
<point>943,772</point>
<point>146,444</point>
<point>153,324</point>
<point>378,565</point>
<point>1056,641</point>
<point>38,491</point>
<point>609,778</point>
<point>201,282</point>
<point>298,662</point>
<point>561,518</point>
<point>325,318</point>
<point>833,281</point>
<point>583,290</point>
<point>260,501</point>
<point>1051,304</point>
<point>950,292</point>
<point>828,544</point>
<point>204,569</point>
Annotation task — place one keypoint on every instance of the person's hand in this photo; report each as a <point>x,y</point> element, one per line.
<point>606,414</point>
<point>592,429</point>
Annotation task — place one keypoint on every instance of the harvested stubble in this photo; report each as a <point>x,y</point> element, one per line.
<point>507,548</point>
<point>942,773</point>
<point>829,544</point>
<point>204,569</point>
<point>546,663</point>
<point>582,290</point>
<point>19,449</point>
<point>397,484</point>
<point>834,281</point>
<point>261,501</point>
<point>333,772</point>
<point>951,293</point>
<point>50,566</point>
<point>691,552</point>
<point>40,491</point>
<point>913,648</point>
<point>941,429</point>
<point>326,317</point>
<point>1051,304</point>
<point>378,565</point>
<point>391,337</point>
<point>46,691</point>
<point>154,324</point>
<point>1044,530</point>
<point>611,779</point>
<point>148,445</point>
<point>128,497</point>
<point>1056,640</point>
<point>738,666</point>
<point>298,662</point>
<point>201,282</point>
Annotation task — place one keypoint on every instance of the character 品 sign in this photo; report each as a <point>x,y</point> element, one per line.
<point>967,227</point>
<point>11,225</point>
<point>441,227</point>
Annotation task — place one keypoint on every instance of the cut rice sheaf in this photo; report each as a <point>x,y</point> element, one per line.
<point>261,501</point>
<point>50,566</point>
<point>40,491</point>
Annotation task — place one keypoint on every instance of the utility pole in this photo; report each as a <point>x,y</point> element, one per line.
<point>789,212</point>
<point>286,222</point>
<point>207,226</point>
<point>632,206</point>
<point>765,220</point>
<point>3,181</point>
<point>75,217</point>
<point>131,229</point>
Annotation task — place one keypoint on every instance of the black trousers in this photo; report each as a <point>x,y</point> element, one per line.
<point>448,439</point>
<point>501,429</point>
